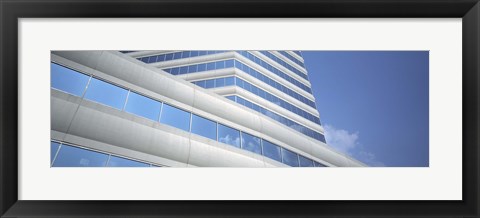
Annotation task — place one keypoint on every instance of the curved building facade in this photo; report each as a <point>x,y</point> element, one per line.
<point>186,109</point>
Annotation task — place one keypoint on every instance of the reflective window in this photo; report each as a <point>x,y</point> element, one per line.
<point>106,93</point>
<point>228,135</point>
<point>231,97</point>
<point>229,81</point>
<point>175,117</point>
<point>305,162</point>
<point>143,106</point>
<point>69,156</point>
<point>68,80</point>
<point>204,127</point>
<point>272,151</point>
<point>115,161</point>
<point>251,143</point>
<point>53,150</point>
<point>317,164</point>
<point>289,158</point>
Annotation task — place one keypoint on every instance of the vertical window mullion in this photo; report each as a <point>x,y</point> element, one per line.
<point>126,100</point>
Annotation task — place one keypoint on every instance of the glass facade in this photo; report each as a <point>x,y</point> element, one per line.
<point>251,143</point>
<point>68,80</point>
<point>290,57</point>
<point>69,156</point>
<point>243,67</point>
<point>228,135</point>
<point>115,161</point>
<point>143,106</point>
<point>275,70</point>
<point>175,117</point>
<point>106,93</point>
<point>284,64</point>
<point>74,156</point>
<point>204,127</point>
<point>285,121</point>
<point>272,151</point>
<point>305,162</point>
<point>290,158</point>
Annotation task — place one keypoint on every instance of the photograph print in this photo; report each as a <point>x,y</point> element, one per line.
<point>154,108</point>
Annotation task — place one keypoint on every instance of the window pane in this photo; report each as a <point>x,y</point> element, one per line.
<point>289,158</point>
<point>272,151</point>
<point>204,127</point>
<point>67,80</point>
<point>317,164</point>
<point>143,106</point>
<point>69,156</point>
<point>220,82</point>
<point>106,93</point>
<point>228,135</point>
<point>175,117</point>
<point>231,97</point>
<point>201,83</point>
<point>229,81</point>
<point>305,162</point>
<point>210,83</point>
<point>122,162</point>
<point>53,150</point>
<point>251,143</point>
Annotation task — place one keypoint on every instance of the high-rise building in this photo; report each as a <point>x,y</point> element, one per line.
<point>186,109</point>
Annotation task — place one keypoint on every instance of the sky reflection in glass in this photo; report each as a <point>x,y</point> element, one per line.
<point>106,93</point>
<point>272,151</point>
<point>143,106</point>
<point>305,162</point>
<point>68,80</point>
<point>204,127</point>
<point>228,135</point>
<point>123,162</point>
<point>251,143</point>
<point>69,156</point>
<point>289,158</point>
<point>175,117</point>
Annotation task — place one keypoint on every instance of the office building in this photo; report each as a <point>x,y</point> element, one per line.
<point>186,109</point>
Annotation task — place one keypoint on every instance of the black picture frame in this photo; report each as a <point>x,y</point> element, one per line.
<point>12,10</point>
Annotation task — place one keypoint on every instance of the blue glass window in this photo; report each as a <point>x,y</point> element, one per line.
<point>204,127</point>
<point>175,117</point>
<point>229,81</point>
<point>231,97</point>
<point>289,158</point>
<point>317,164</point>
<point>228,63</point>
<point>272,151</point>
<point>53,150</point>
<point>305,162</point>
<point>123,162</point>
<point>69,156</point>
<point>228,135</point>
<point>220,82</point>
<point>169,57</point>
<point>202,67</point>
<point>202,84</point>
<point>251,143</point>
<point>143,106</point>
<point>68,80</point>
<point>211,66</point>
<point>106,93</point>
<point>210,83</point>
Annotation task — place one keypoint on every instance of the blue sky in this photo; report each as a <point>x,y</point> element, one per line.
<point>373,104</point>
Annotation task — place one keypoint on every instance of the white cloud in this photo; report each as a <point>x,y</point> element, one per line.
<point>340,139</point>
<point>347,142</point>
<point>370,159</point>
